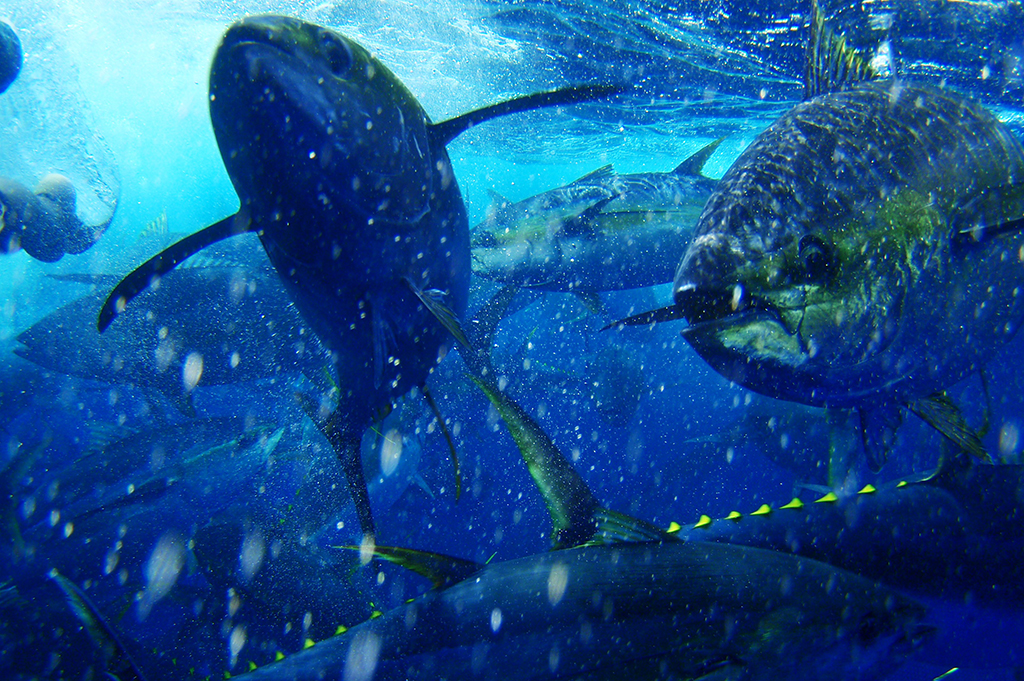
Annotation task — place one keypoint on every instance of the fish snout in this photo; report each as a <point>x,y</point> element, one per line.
<point>707,284</point>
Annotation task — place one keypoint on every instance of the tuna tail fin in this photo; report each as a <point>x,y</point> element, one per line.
<point>139,279</point>
<point>116,658</point>
<point>440,569</point>
<point>348,447</point>
<point>445,131</point>
<point>831,64</point>
<point>694,164</point>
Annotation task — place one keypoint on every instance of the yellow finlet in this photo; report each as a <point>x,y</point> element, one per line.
<point>309,643</point>
<point>867,489</point>
<point>764,510</point>
<point>901,483</point>
<point>795,504</point>
<point>227,675</point>
<point>278,656</point>
<point>375,614</point>
<point>252,666</point>
<point>703,522</point>
<point>829,498</point>
<point>735,515</point>
<point>673,527</point>
<point>340,630</point>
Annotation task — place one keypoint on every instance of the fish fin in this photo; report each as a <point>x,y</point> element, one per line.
<point>662,314</point>
<point>448,438</point>
<point>878,426</point>
<point>432,300</point>
<point>570,503</point>
<point>139,279</point>
<point>592,301</point>
<point>602,173</point>
<point>694,164</point>
<point>618,528</point>
<point>440,569</point>
<point>979,233</point>
<point>500,209</point>
<point>423,485</point>
<point>831,64</point>
<point>445,131</point>
<point>348,447</point>
<point>942,414</point>
<point>102,634</point>
<point>582,224</point>
<point>481,329</point>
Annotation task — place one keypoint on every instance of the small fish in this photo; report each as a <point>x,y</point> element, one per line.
<point>864,252</point>
<point>603,232</point>
<point>348,184</point>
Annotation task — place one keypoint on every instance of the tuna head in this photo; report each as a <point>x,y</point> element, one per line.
<point>827,257</point>
<point>311,126</point>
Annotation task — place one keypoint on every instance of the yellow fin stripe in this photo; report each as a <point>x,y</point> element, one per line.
<point>764,510</point>
<point>340,630</point>
<point>867,489</point>
<point>735,515</point>
<point>794,504</point>
<point>901,483</point>
<point>278,656</point>
<point>308,643</point>
<point>703,522</point>
<point>673,527</point>
<point>829,498</point>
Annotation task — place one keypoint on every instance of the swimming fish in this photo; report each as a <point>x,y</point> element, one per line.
<point>619,599</point>
<point>863,252</point>
<point>603,232</point>
<point>347,182</point>
<point>224,324</point>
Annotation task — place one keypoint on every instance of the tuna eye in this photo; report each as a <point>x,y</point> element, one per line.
<point>337,54</point>
<point>817,258</point>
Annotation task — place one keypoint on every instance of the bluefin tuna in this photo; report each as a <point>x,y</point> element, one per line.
<point>348,184</point>
<point>603,232</point>
<point>864,251</point>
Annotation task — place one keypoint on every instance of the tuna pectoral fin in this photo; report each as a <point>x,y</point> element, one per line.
<point>163,262</point>
<point>432,301</point>
<point>445,131</point>
<point>440,569</point>
<point>943,415</point>
<point>878,426</point>
<point>592,301</point>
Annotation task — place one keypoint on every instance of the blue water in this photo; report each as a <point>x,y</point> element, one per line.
<point>114,95</point>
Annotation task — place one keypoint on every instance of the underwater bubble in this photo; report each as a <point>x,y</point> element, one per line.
<point>558,579</point>
<point>390,452</point>
<point>361,662</point>
<point>250,557</point>
<point>162,570</point>
<point>191,371</point>
<point>236,641</point>
<point>1009,439</point>
<point>496,620</point>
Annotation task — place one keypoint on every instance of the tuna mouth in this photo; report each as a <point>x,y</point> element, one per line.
<point>708,310</point>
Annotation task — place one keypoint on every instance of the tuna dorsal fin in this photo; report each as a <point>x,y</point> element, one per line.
<point>694,164</point>
<point>942,414</point>
<point>163,262</point>
<point>441,570</point>
<point>831,63</point>
<point>445,131</point>
<point>602,173</point>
